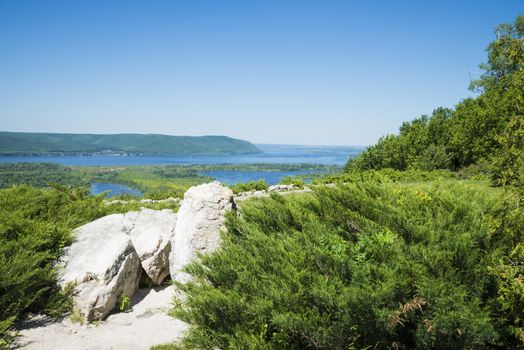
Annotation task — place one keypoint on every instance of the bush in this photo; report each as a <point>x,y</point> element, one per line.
<point>386,175</point>
<point>370,264</point>
<point>508,162</point>
<point>295,181</point>
<point>165,193</point>
<point>259,185</point>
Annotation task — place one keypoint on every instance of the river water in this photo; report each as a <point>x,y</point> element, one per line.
<point>276,154</point>
<point>279,154</point>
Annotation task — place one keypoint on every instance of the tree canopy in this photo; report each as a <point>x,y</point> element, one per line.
<point>472,132</point>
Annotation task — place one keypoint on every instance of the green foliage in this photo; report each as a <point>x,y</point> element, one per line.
<point>433,157</point>
<point>509,160</point>
<point>422,144</point>
<point>471,133</point>
<point>508,270</point>
<point>18,143</point>
<point>114,208</point>
<point>259,185</point>
<point>163,193</point>
<point>76,317</point>
<point>388,174</point>
<point>510,279</point>
<point>372,263</point>
<point>39,175</point>
<point>124,303</point>
<point>505,55</point>
<point>481,170</point>
<point>292,180</point>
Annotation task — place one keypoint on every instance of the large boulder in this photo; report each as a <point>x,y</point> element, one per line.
<point>109,254</point>
<point>151,232</point>
<point>200,218</point>
<point>102,264</point>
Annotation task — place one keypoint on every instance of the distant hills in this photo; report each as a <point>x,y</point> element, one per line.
<point>25,144</point>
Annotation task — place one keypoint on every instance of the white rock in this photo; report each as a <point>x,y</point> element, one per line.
<point>108,255</point>
<point>102,264</point>
<point>200,219</point>
<point>151,232</point>
<point>280,187</point>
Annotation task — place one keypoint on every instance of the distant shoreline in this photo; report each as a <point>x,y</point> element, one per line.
<point>114,154</point>
<point>55,144</point>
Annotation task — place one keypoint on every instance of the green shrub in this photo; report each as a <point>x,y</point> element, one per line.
<point>259,185</point>
<point>295,181</point>
<point>136,205</point>
<point>124,303</point>
<point>165,193</point>
<point>508,162</point>
<point>373,263</point>
<point>386,175</point>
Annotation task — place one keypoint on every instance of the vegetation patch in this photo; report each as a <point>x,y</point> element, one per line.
<point>372,263</point>
<point>259,185</point>
<point>487,129</point>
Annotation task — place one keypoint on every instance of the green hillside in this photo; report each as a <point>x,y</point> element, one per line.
<point>19,143</point>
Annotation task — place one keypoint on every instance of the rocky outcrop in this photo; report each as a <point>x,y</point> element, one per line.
<point>151,232</point>
<point>200,219</point>
<point>282,188</point>
<point>102,264</point>
<point>109,255</point>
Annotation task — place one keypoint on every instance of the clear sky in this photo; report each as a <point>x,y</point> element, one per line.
<point>292,72</point>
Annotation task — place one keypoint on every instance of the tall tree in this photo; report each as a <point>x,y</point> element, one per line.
<point>505,55</point>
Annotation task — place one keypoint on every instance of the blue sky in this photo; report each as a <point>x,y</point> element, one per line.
<point>291,72</point>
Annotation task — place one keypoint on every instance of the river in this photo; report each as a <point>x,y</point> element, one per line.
<point>275,154</point>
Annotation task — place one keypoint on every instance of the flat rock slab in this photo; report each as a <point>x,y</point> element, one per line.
<point>147,324</point>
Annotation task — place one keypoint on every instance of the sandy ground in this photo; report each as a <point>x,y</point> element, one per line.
<point>145,325</point>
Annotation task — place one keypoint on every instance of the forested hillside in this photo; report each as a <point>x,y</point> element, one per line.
<point>18,143</point>
<point>486,130</point>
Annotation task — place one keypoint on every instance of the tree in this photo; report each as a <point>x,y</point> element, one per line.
<point>505,55</point>
<point>472,132</point>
